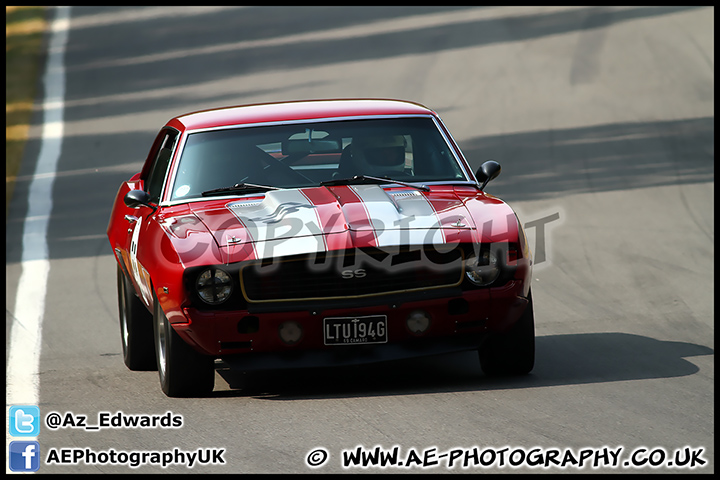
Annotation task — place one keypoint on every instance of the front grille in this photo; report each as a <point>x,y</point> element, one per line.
<point>351,274</point>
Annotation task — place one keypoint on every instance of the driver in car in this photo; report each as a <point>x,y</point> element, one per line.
<point>380,155</point>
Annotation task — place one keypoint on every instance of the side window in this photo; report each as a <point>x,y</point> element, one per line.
<point>155,179</point>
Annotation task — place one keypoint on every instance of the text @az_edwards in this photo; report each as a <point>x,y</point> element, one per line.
<point>109,420</point>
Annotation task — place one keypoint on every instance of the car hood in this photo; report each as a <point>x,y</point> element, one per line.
<point>297,221</point>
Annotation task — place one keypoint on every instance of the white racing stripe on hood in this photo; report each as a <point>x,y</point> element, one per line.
<point>284,223</point>
<point>403,217</point>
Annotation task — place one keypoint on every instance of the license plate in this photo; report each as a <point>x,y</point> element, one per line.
<point>355,330</point>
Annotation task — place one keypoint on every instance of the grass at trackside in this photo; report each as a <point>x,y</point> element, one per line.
<point>24,27</point>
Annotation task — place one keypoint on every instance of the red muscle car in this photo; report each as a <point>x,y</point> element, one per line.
<point>315,233</point>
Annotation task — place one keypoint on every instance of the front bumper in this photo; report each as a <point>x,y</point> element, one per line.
<point>352,354</point>
<point>459,320</point>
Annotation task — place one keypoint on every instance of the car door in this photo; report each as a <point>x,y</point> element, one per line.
<point>140,218</point>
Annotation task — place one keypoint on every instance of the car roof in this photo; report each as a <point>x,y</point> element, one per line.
<point>295,111</point>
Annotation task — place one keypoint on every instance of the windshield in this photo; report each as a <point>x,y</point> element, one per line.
<point>307,154</point>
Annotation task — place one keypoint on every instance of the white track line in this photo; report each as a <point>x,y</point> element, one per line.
<point>22,381</point>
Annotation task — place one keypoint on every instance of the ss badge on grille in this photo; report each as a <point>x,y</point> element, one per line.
<point>359,273</point>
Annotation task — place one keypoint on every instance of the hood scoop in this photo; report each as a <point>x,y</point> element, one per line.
<point>394,210</point>
<point>274,216</point>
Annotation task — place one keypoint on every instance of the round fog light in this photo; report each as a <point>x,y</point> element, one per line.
<point>418,322</point>
<point>290,333</point>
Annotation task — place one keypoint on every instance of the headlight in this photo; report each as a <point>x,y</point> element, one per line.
<point>482,269</point>
<point>214,286</point>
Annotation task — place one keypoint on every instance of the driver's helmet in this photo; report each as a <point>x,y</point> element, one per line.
<point>379,153</point>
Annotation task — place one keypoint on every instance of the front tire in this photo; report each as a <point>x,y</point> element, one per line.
<point>183,371</point>
<point>136,327</point>
<point>512,352</point>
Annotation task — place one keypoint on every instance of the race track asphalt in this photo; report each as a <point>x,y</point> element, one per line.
<point>603,121</point>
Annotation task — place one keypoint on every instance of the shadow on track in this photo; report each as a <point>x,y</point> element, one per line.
<point>561,360</point>
<point>620,156</point>
<point>173,52</point>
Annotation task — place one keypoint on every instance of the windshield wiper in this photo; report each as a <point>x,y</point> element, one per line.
<point>238,188</point>
<point>366,178</point>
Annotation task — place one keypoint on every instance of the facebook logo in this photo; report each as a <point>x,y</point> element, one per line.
<point>24,421</point>
<point>24,456</point>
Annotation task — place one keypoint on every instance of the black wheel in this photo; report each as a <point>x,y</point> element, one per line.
<point>136,327</point>
<point>511,352</point>
<point>183,371</point>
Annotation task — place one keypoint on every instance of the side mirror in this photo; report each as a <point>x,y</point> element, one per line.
<point>487,171</point>
<point>136,198</point>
